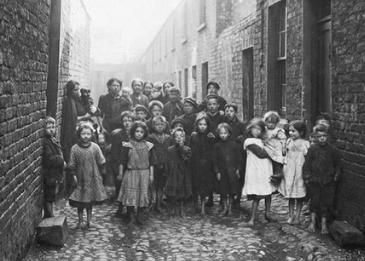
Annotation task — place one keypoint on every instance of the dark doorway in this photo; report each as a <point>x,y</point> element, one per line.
<point>204,79</point>
<point>247,84</point>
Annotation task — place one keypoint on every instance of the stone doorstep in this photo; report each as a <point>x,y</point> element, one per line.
<point>346,234</point>
<point>52,231</point>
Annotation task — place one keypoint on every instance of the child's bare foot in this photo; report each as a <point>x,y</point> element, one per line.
<point>182,213</point>
<point>251,223</point>
<point>80,225</point>
<point>89,224</point>
<point>229,213</point>
<point>222,213</point>
<point>140,221</point>
<point>324,230</point>
<point>160,210</point>
<point>312,227</point>
<point>296,221</point>
<point>202,212</point>
<point>270,218</point>
<point>290,221</point>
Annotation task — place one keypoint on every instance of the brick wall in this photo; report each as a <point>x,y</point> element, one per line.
<point>348,72</point>
<point>23,80</point>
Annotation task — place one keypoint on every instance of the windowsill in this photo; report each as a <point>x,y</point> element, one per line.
<point>184,40</point>
<point>202,26</point>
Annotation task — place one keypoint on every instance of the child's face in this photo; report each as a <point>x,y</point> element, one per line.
<point>188,108</point>
<point>223,134</point>
<point>159,127</point>
<point>179,137</point>
<point>174,97</point>
<point>212,89</point>
<point>141,115</point>
<point>202,125</point>
<point>139,133</point>
<point>294,134</point>
<point>86,135</point>
<point>166,88</point>
<point>156,111</point>
<point>127,123</point>
<point>322,138</point>
<point>125,93</point>
<point>230,113</point>
<point>50,129</point>
<point>256,132</point>
<point>212,105</point>
<point>270,124</point>
<point>147,89</point>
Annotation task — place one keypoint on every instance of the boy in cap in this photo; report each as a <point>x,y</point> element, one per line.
<point>189,115</point>
<point>140,112</point>
<point>230,117</point>
<point>174,107</point>
<point>213,88</point>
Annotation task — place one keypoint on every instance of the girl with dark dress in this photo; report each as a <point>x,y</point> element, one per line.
<point>227,166</point>
<point>161,142</point>
<point>201,144</point>
<point>178,184</point>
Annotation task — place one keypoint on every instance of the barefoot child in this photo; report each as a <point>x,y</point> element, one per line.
<point>161,142</point>
<point>201,165</point>
<point>321,171</point>
<point>292,186</point>
<point>258,170</point>
<point>86,165</point>
<point>226,164</point>
<point>136,172</point>
<point>178,184</point>
<point>53,164</point>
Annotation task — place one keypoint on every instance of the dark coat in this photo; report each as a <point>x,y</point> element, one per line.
<point>172,111</point>
<point>53,161</point>
<point>189,123</point>
<point>226,161</point>
<point>238,127</point>
<point>201,164</point>
<point>111,108</point>
<point>222,103</point>
<point>143,100</point>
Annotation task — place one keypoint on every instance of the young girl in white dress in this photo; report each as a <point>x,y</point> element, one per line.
<point>292,186</point>
<point>258,170</point>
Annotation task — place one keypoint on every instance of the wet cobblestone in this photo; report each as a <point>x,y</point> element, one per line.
<point>167,237</point>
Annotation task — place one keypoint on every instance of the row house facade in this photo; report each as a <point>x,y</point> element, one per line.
<point>301,58</point>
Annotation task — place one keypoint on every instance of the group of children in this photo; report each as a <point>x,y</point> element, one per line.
<point>198,154</point>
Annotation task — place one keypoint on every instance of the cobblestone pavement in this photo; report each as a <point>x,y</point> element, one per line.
<point>166,237</point>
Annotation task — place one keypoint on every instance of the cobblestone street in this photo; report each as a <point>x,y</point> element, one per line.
<point>166,237</point>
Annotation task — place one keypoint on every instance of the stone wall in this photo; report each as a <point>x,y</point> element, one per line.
<point>24,27</point>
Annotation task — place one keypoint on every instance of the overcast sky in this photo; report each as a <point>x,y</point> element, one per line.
<point>121,29</point>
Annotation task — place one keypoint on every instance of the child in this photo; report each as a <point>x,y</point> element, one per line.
<point>177,123</point>
<point>321,171</point>
<point>155,108</point>
<point>178,184</point>
<point>213,88</point>
<point>292,186</point>
<point>126,96</point>
<point>141,113</point>
<point>53,164</point>
<point>147,90</point>
<point>136,171</point>
<point>189,115</point>
<point>161,142</point>
<point>201,164</point>
<point>275,142</point>
<point>227,165</point>
<point>85,165</point>
<point>215,119</point>
<point>258,170</point>
<point>230,117</point>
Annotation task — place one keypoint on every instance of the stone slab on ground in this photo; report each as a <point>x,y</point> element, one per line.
<point>53,231</point>
<point>345,234</point>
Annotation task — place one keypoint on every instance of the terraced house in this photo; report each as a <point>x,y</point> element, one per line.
<point>299,57</point>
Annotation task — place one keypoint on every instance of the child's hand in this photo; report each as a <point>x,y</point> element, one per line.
<point>120,177</point>
<point>93,109</point>
<point>210,135</point>
<point>238,174</point>
<point>64,164</point>
<point>151,178</point>
<point>218,176</point>
<point>74,181</point>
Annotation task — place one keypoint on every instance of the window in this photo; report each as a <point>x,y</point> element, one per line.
<point>204,79</point>
<point>277,40</point>
<point>186,81</point>
<point>202,14</point>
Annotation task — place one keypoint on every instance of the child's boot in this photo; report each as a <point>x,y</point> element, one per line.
<point>140,220</point>
<point>130,213</point>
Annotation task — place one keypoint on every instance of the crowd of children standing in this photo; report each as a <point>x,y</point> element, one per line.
<point>162,144</point>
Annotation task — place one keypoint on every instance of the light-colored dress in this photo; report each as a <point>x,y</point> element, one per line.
<point>292,185</point>
<point>258,172</point>
<point>273,144</point>
<point>136,161</point>
<point>84,162</point>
